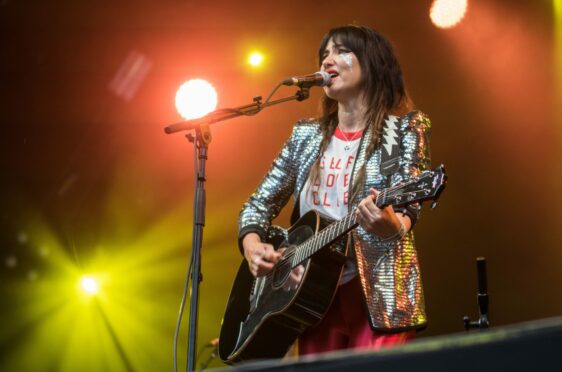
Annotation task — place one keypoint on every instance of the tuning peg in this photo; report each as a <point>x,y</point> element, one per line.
<point>434,204</point>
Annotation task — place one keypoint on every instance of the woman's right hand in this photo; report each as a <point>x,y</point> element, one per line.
<point>261,257</point>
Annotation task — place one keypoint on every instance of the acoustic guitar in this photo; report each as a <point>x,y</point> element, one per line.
<point>265,315</point>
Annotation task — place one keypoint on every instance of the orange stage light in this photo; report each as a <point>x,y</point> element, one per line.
<point>447,13</point>
<point>195,98</point>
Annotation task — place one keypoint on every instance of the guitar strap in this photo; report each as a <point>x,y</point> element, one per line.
<point>390,154</point>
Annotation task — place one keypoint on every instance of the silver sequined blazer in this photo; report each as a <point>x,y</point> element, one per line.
<point>388,271</point>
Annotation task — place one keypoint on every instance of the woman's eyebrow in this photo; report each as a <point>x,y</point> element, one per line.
<point>335,45</point>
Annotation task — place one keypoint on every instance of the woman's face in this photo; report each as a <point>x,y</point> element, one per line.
<point>338,60</point>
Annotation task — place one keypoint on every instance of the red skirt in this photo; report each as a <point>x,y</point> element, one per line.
<point>346,326</point>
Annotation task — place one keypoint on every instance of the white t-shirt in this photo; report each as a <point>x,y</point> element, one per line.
<point>329,195</point>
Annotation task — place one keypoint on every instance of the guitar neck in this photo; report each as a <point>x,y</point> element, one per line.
<point>427,186</point>
<point>324,238</point>
<point>336,230</point>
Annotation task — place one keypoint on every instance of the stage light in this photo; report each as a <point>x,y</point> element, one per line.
<point>117,328</point>
<point>255,59</point>
<point>89,285</point>
<point>447,13</point>
<point>195,98</point>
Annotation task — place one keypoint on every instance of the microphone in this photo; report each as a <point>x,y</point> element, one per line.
<point>320,78</point>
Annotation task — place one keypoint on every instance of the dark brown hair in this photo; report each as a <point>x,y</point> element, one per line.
<point>381,81</point>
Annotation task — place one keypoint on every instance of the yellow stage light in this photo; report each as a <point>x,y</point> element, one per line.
<point>89,285</point>
<point>136,270</point>
<point>447,13</point>
<point>195,98</point>
<point>255,59</point>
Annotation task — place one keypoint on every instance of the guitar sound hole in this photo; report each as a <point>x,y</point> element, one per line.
<point>283,268</point>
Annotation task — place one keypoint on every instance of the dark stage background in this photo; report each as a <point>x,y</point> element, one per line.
<point>92,185</point>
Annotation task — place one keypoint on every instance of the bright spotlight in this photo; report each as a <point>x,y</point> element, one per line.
<point>195,98</point>
<point>89,285</point>
<point>447,13</point>
<point>255,59</point>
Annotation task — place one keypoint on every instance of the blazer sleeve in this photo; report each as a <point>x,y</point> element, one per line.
<point>415,128</point>
<point>271,195</point>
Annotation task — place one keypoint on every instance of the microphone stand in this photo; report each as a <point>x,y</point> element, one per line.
<point>201,141</point>
<point>225,114</point>
<point>482,296</point>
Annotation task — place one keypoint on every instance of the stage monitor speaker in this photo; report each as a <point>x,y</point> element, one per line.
<point>528,346</point>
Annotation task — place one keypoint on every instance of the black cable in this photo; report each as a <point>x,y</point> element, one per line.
<point>273,92</point>
<point>178,322</point>
<point>187,279</point>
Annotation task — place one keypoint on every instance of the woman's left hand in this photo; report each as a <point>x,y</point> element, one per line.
<point>383,222</point>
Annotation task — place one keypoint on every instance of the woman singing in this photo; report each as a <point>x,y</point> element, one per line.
<point>333,165</point>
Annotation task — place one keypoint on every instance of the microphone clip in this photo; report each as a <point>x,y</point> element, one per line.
<point>303,93</point>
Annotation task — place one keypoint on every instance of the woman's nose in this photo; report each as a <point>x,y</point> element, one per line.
<point>327,62</point>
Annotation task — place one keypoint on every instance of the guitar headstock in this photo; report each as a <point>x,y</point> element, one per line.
<point>428,185</point>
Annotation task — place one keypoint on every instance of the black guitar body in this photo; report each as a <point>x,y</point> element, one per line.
<point>263,317</point>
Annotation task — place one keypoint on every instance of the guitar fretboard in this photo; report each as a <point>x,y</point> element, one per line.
<point>427,186</point>
<point>325,237</point>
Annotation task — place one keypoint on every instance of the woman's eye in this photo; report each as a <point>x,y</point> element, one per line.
<point>343,51</point>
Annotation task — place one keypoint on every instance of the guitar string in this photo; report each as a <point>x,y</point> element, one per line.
<point>347,221</point>
<point>331,229</point>
<point>318,237</point>
<point>388,192</point>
